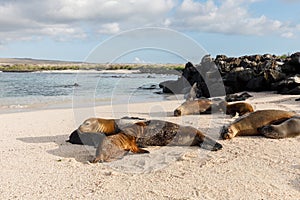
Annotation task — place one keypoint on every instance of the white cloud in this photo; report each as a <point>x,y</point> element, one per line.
<point>71,18</point>
<point>68,19</point>
<point>287,35</point>
<point>109,28</point>
<point>229,17</point>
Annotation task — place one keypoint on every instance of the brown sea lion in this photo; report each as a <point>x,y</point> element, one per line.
<point>193,107</point>
<point>249,123</point>
<point>287,128</point>
<point>115,146</point>
<point>240,108</point>
<point>147,133</point>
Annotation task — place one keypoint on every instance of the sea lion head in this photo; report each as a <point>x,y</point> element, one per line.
<point>91,139</point>
<point>226,132</point>
<point>99,125</point>
<point>90,125</point>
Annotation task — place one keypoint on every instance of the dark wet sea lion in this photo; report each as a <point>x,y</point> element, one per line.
<point>162,133</point>
<point>240,108</point>
<point>91,139</point>
<point>193,107</point>
<point>249,123</point>
<point>287,128</point>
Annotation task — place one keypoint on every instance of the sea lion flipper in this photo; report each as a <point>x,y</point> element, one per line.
<point>210,144</point>
<point>206,142</point>
<point>139,150</point>
<point>135,149</point>
<point>141,124</point>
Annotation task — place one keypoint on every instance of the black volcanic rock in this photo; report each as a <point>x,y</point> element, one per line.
<point>246,73</point>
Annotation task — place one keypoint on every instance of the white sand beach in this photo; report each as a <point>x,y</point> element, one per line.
<point>37,163</point>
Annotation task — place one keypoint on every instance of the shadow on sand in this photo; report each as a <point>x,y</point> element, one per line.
<point>80,153</point>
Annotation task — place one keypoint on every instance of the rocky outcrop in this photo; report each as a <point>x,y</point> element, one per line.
<point>214,77</point>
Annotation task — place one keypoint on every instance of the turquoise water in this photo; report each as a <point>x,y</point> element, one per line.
<point>19,91</point>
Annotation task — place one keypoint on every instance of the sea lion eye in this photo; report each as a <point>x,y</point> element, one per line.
<point>87,123</point>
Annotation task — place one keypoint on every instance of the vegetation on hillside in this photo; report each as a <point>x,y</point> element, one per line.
<point>37,67</point>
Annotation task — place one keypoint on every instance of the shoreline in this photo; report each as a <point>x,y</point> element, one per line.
<point>36,161</point>
<point>43,94</point>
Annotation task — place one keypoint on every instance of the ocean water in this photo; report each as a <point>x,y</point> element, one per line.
<point>21,91</point>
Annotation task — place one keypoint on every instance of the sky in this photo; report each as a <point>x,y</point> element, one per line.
<point>73,30</point>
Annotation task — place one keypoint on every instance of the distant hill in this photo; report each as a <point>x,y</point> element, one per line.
<point>30,61</point>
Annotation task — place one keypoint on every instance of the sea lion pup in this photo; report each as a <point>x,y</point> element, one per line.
<point>287,128</point>
<point>152,133</point>
<point>231,109</point>
<point>249,123</point>
<point>193,107</point>
<point>113,147</point>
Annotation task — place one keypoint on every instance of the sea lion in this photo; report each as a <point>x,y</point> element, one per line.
<point>90,139</point>
<point>193,107</point>
<point>162,133</point>
<point>116,146</point>
<point>146,133</point>
<point>287,128</point>
<point>151,133</point>
<point>240,108</point>
<point>249,123</point>
<point>237,97</point>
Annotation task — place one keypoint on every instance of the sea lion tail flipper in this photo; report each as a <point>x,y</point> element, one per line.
<point>210,144</point>
<point>206,142</point>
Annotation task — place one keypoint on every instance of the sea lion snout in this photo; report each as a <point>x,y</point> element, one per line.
<point>74,138</point>
<point>224,132</point>
<point>177,112</point>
